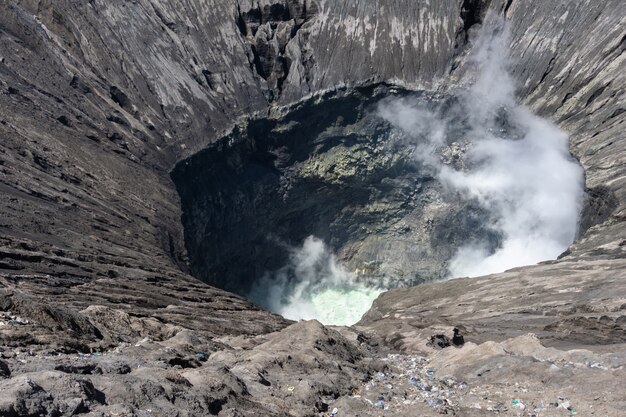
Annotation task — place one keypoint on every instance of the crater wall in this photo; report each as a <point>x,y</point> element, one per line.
<point>99,100</point>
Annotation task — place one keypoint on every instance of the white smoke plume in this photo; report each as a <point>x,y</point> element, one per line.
<point>529,183</point>
<point>517,166</point>
<point>313,285</point>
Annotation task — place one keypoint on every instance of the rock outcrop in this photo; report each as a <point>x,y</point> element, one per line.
<point>100,100</point>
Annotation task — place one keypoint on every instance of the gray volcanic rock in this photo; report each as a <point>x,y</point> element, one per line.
<point>5,372</point>
<point>333,169</point>
<point>292,372</point>
<point>124,81</point>
<point>564,309</point>
<point>515,377</point>
<point>100,100</point>
<point>22,397</point>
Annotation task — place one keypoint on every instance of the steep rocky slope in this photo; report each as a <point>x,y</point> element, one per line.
<point>330,168</point>
<point>100,100</point>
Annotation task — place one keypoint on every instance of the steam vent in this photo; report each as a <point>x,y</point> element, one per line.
<point>312,208</point>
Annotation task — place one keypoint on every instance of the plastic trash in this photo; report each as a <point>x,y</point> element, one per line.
<point>435,402</point>
<point>380,403</point>
<point>537,410</point>
<point>334,412</point>
<point>519,405</point>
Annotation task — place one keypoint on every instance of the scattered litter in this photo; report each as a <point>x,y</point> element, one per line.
<point>380,403</point>
<point>334,412</point>
<point>9,319</point>
<point>499,407</point>
<point>435,402</point>
<point>409,382</point>
<point>409,385</point>
<point>598,365</point>
<point>566,404</point>
<point>290,389</point>
<point>519,405</point>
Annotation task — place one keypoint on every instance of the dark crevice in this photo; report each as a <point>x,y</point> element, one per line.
<point>64,120</point>
<point>268,29</point>
<point>216,405</point>
<point>616,113</point>
<point>184,363</point>
<point>164,21</point>
<point>566,98</point>
<point>599,204</point>
<point>284,63</point>
<point>507,6</point>
<point>241,24</point>
<point>258,65</point>
<point>119,97</point>
<point>596,94</point>
<point>548,70</point>
<point>472,13</point>
<point>208,76</point>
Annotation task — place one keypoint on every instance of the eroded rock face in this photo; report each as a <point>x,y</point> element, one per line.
<point>332,168</point>
<point>128,82</point>
<point>293,372</point>
<point>98,102</point>
<point>271,29</point>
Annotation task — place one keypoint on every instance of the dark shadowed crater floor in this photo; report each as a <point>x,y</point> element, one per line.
<point>333,168</point>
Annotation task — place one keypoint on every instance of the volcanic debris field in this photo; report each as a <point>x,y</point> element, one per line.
<point>272,208</point>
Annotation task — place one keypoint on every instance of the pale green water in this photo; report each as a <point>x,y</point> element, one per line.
<point>341,306</point>
<point>314,285</point>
